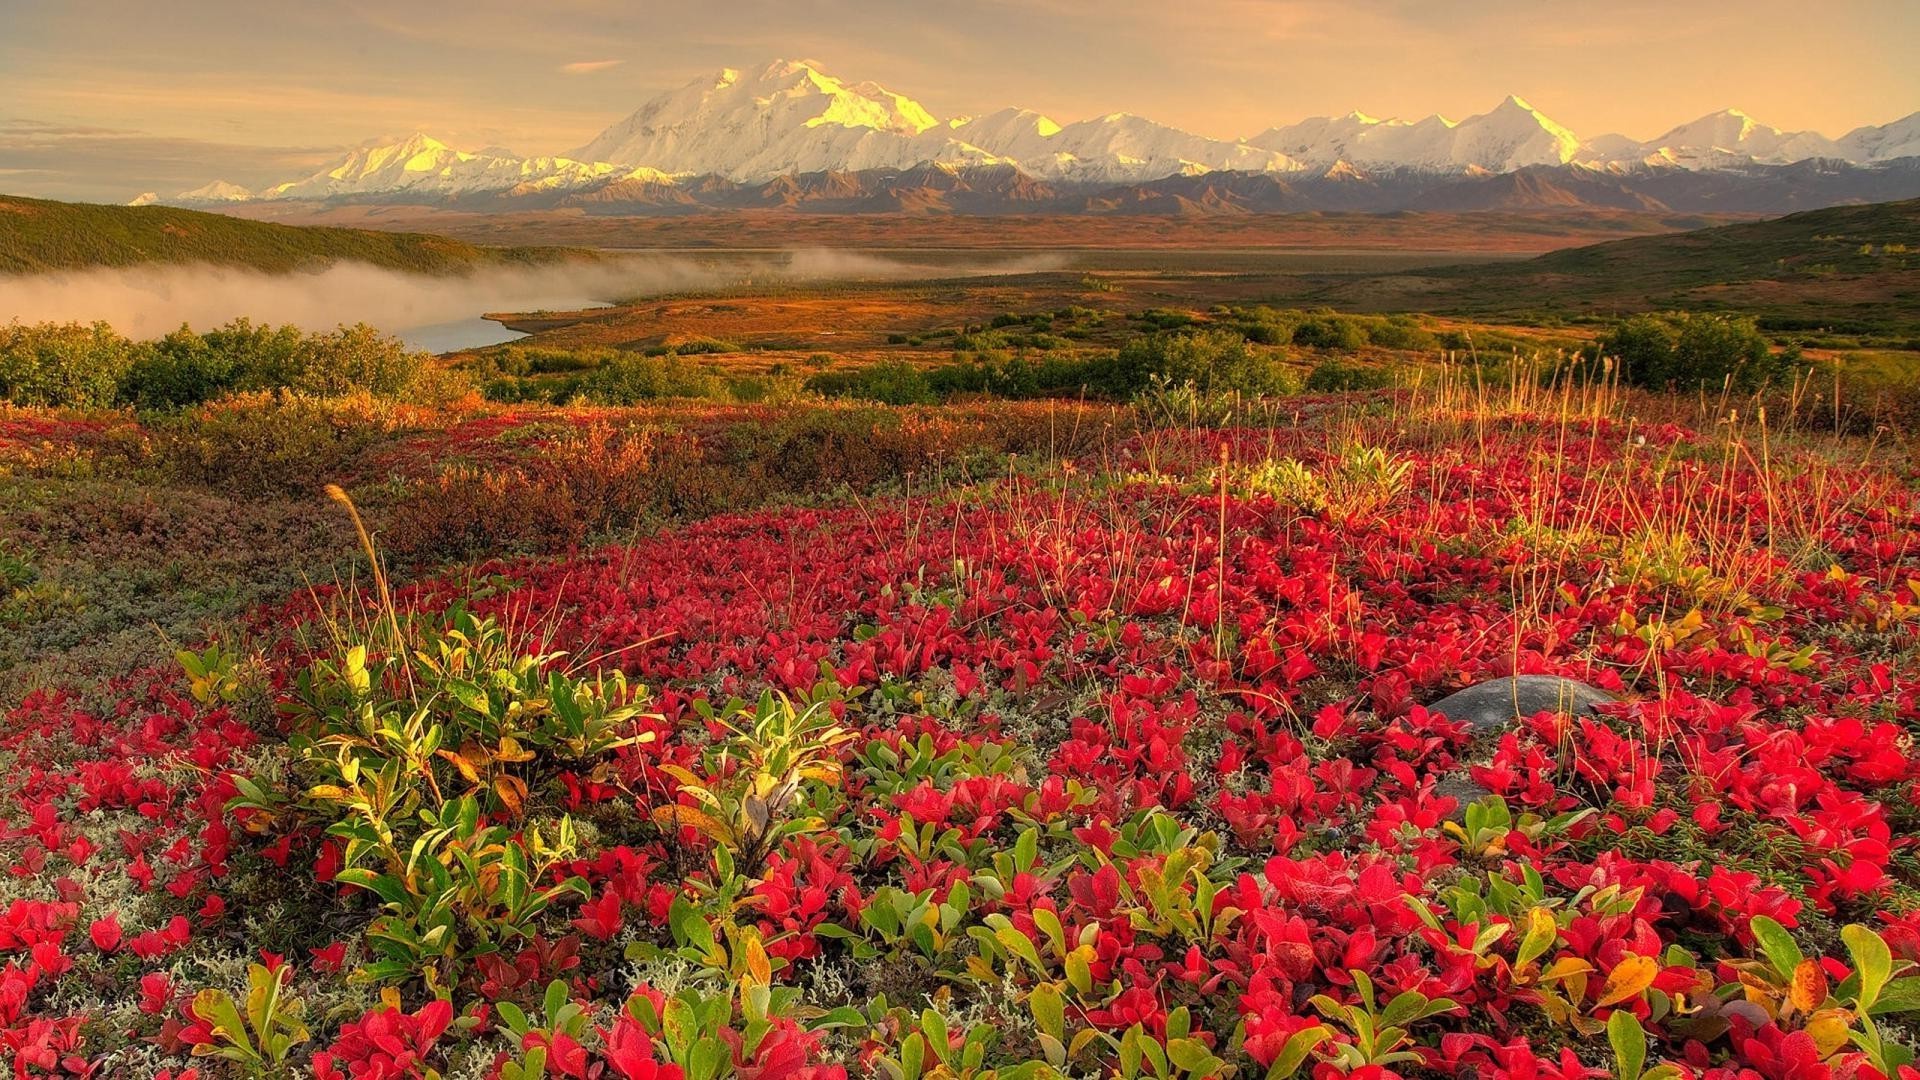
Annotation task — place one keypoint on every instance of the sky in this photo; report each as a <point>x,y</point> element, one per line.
<point>103,99</point>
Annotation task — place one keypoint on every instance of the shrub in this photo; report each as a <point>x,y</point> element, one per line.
<point>1215,361</point>
<point>63,365</point>
<point>891,382</point>
<point>254,445</point>
<point>180,369</point>
<point>1686,351</point>
<point>1330,332</point>
<point>626,379</point>
<point>1401,332</point>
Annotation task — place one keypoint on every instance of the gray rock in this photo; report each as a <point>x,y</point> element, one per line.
<point>1463,790</point>
<point>1497,704</point>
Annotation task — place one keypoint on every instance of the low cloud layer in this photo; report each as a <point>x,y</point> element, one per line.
<point>148,301</point>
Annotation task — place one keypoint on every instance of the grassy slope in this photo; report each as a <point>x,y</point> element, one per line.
<point>38,235</point>
<point>1807,270</point>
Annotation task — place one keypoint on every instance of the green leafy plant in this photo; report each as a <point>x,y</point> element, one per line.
<point>1366,1033</point>
<point>754,794</point>
<point>259,1040</point>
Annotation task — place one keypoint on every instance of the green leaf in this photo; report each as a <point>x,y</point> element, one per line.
<point>1629,1042</point>
<point>1900,996</point>
<point>1872,961</point>
<point>1049,1010</point>
<point>1782,953</point>
<point>1294,1053</point>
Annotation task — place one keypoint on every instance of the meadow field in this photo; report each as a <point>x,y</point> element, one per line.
<point>1015,675</point>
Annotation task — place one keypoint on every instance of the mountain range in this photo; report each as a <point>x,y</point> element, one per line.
<point>791,135</point>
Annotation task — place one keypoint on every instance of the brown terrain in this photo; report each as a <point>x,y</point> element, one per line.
<point>1491,231</point>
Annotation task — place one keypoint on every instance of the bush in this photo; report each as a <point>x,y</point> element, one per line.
<point>1401,332</point>
<point>1686,352</point>
<point>63,365</point>
<point>1215,361</point>
<point>253,445</point>
<point>1330,332</point>
<point>626,379</point>
<point>890,382</point>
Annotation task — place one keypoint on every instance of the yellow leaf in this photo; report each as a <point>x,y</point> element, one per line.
<point>688,816</point>
<point>1808,991</point>
<point>759,967</point>
<point>1567,966</point>
<point>1830,1030</point>
<point>1629,979</point>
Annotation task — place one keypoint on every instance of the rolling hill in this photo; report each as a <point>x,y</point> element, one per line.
<point>1844,269</point>
<point>40,235</point>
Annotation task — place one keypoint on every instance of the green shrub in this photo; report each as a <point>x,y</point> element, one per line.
<point>890,382</point>
<point>1330,332</point>
<point>253,445</point>
<point>626,379</point>
<point>63,365</point>
<point>1215,361</point>
<point>1687,352</point>
<point>1401,332</point>
<point>180,369</point>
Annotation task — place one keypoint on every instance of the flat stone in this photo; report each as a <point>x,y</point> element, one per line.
<point>1497,704</point>
<point>1463,790</point>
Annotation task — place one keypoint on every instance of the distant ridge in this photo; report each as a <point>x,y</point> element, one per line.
<point>39,235</point>
<point>742,130</point>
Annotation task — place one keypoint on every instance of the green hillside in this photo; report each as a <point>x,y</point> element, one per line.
<point>1843,270</point>
<point>37,234</point>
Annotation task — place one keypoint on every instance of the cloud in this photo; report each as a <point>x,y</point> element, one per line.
<point>112,164</point>
<point>588,67</point>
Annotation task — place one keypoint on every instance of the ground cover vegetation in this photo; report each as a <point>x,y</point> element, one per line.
<point>1000,739</point>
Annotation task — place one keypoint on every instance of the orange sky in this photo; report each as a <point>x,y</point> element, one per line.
<point>100,95</point>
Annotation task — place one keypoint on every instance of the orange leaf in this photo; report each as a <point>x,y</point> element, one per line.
<point>1629,979</point>
<point>512,791</point>
<point>1808,991</point>
<point>460,762</point>
<point>695,819</point>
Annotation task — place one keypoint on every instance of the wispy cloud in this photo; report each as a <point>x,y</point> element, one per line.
<point>588,67</point>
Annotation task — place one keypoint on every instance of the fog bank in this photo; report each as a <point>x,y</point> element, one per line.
<point>148,301</point>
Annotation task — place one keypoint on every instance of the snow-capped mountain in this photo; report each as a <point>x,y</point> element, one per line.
<point>1888,142</point>
<point>1514,135</point>
<point>790,117</point>
<point>739,135</point>
<point>421,165</point>
<point>1728,138</point>
<point>218,191</point>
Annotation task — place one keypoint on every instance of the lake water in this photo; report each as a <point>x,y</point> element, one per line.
<point>460,334</point>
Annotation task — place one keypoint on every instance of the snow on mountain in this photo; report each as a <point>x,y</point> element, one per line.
<point>1883,143</point>
<point>788,117</point>
<point>1729,138</point>
<point>218,191</point>
<point>145,198</point>
<point>1121,148</point>
<point>422,165</point>
<point>1513,135</point>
